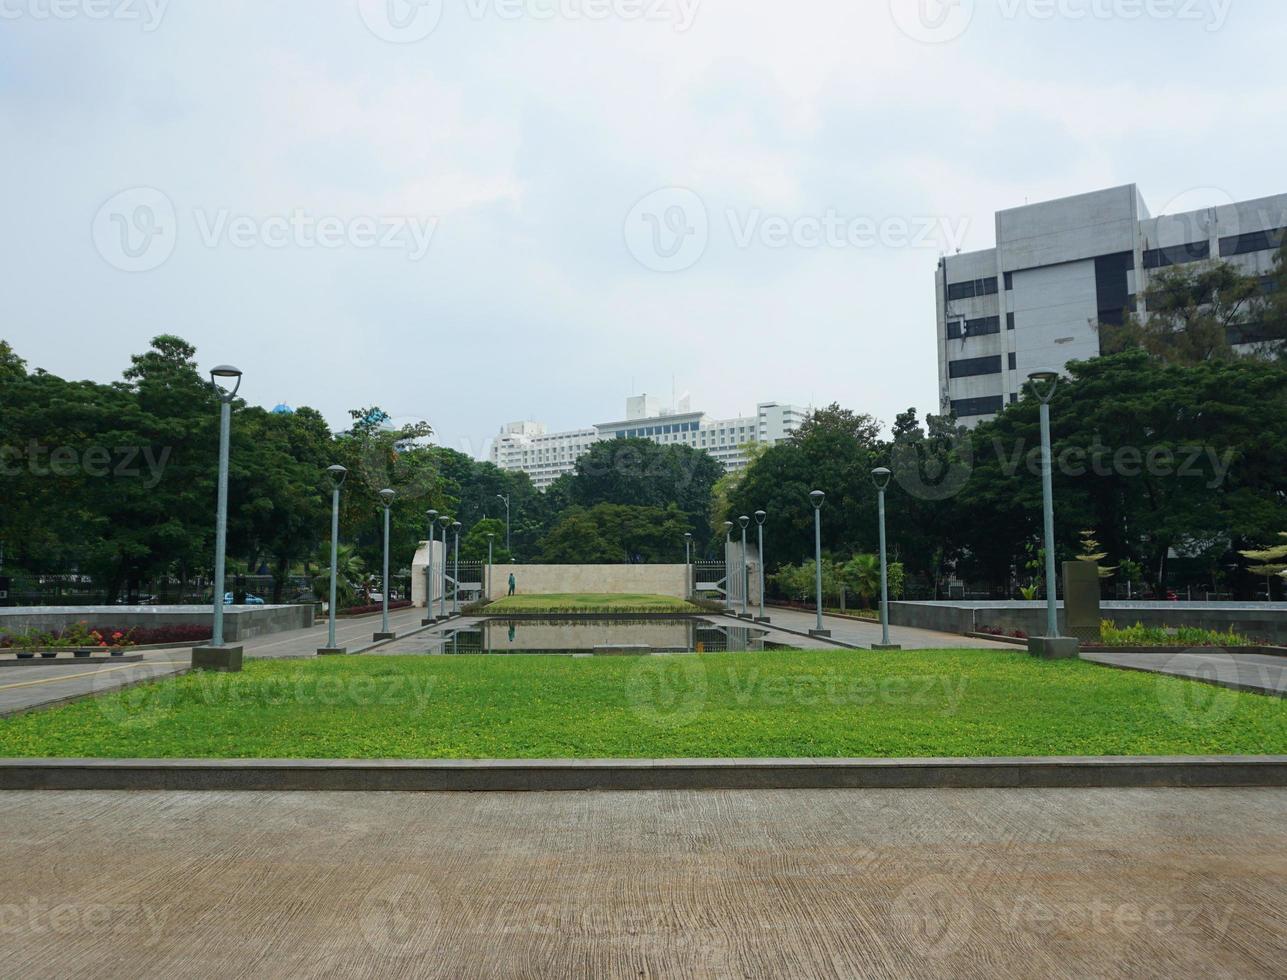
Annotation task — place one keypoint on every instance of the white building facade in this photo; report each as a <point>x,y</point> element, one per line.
<point>1063,268</point>
<point>545,456</point>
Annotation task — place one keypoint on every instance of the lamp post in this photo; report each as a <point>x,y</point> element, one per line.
<point>1052,646</point>
<point>688,564</point>
<point>386,496</point>
<point>337,474</point>
<point>816,497</point>
<point>728,572</point>
<point>455,570</point>
<point>445,522</point>
<point>217,656</point>
<point>490,537</point>
<point>430,619</point>
<point>745,521</point>
<point>880,476</point>
<point>760,518</point>
<point>508,546</point>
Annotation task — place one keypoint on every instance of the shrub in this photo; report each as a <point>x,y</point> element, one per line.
<point>1140,635</point>
<point>374,608</point>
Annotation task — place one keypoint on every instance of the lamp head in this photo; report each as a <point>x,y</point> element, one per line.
<point>1044,384</point>
<point>387,496</point>
<point>688,534</point>
<point>728,525</point>
<point>817,497</point>
<point>880,476</point>
<point>456,526</point>
<point>490,535</point>
<point>337,473</point>
<point>433,515</point>
<point>760,517</point>
<point>228,375</point>
<point>445,521</point>
<point>744,521</point>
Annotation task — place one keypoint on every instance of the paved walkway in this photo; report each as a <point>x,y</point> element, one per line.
<point>892,883</point>
<point>1240,671</point>
<point>27,687</point>
<point>865,634</point>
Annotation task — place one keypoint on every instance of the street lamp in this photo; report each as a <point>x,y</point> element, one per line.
<point>728,573</point>
<point>217,656</point>
<point>445,522</point>
<point>816,497</point>
<point>880,476</point>
<point>688,564</point>
<point>746,576</point>
<point>337,475</point>
<point>508,547</point>
<point>490,537</point>
<point>455,571</point>
<point>386,496</point>
<point>430,619</point>
<point>1052,646</point>
<point>760,518</point>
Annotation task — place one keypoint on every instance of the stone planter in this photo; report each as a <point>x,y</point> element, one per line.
<point>26,656</point>
<point>48,654</point>
<point>81,654</point>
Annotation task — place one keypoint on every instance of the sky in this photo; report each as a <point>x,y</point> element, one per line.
<point>479,211</point>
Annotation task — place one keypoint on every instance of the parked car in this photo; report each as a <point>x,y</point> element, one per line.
<point>251,600</point>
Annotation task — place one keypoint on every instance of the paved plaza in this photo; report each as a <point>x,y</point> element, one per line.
<point>839,883</point>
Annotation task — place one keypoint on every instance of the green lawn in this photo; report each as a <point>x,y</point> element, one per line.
<point>781,703</point>
<point>590,603</point>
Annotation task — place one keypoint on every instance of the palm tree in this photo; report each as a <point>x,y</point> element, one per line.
<point>349,571</point>
<point>861,574</point>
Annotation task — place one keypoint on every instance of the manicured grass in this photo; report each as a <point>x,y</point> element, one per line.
<point>780,703</point>
<point>585,602</point>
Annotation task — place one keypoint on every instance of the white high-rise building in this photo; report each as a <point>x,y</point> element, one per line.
<point>545,456</point>
<point>1062,268</point>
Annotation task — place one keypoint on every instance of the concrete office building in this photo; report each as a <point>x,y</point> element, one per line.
<point>545,456</point>
<point>1062,268</point>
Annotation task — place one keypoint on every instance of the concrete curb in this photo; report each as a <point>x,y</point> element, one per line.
<point>557,775</point>
<point>786,629</point>
<point>70,661</point>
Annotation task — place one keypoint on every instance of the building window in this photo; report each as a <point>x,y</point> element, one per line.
<point>972,288</point>
<point>980,327</point>
<point>1254,241</point>
<point>971,367</point>
<point>1013,365</point>
<point>968,407</point>
<point>1014,397</point>
<point>1009,321</point>
<point>1160,258</point>
<point>1009,281</point>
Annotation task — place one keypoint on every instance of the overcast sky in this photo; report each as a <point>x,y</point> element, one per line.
<point>477,211</point>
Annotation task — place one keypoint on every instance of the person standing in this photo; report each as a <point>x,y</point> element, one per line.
<point>512,583</point>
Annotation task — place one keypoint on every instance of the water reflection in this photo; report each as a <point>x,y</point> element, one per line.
<point>606,636</point>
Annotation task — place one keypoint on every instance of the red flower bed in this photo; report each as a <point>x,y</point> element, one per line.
<point>377,607</point>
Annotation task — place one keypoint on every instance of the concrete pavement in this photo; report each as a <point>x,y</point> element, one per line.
<point>23,688</point>
<point>839,883</point>
<point>1239,671</point>
<point>864,634</point>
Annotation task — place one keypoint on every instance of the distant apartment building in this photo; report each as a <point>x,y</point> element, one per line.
<point>545,456</point>
<point>1062,268</point>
